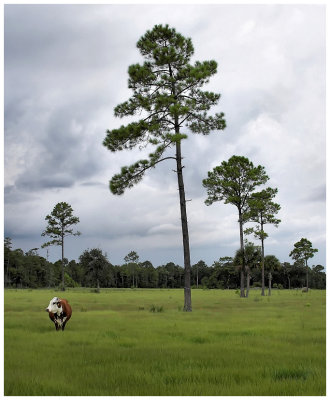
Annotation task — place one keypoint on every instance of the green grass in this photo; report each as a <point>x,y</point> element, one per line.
<point>139,342</point>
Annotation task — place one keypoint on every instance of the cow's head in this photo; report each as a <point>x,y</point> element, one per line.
<point>54,306</point>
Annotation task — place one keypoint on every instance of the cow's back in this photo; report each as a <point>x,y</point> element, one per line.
<point>66,308</point>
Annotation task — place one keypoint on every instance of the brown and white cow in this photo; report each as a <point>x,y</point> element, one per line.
<point>59,311</point>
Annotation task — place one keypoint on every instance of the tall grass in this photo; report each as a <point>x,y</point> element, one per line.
<point>114,345</point>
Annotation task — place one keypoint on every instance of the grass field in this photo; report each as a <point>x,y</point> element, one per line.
<point>115,346</point>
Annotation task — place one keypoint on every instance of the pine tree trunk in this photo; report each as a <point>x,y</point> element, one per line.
<point>197,278</point>
<point>269,284</point>
<point>183,211</point>
<point>63,286</point>
<point>306,276</point>
<point>185,233</point>
<point>243,253</point>
<point>247,281</point>
<point>8,274</point>
<point>262,268</point>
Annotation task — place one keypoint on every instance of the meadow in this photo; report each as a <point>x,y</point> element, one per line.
<point>138,342</point>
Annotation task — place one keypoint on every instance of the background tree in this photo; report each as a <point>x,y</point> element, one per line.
<point>94,263</point>
<point>132,260</point>
<point>252,257</point>
<point>167,89</point>
<point>272,264</point>
<point>298,274</point>
<point>76,272</point>
<point>224,274</point>
<point>318,277</point>
<point>234,182</point>
<point>7,251</point>
<point>197,272</point>
<point>262,210</point>
<point>30,270</point>
<point>287,270</point>
<point>60,223</point>
<point>151,273</point>
<point>303,251</point>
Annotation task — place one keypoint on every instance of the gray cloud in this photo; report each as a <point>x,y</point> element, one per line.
<point>65,71</point>
<point>318,194</point>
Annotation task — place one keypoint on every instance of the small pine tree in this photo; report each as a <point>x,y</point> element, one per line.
<point>303,251</point>
<point>60,223</point>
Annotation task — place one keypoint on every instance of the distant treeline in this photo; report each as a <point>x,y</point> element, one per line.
<point>30,270</point>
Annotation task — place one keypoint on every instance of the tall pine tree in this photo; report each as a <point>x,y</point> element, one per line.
<point>166,90</point>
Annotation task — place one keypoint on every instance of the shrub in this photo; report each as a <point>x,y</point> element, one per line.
<point>199,339</point>
<point>290,373</point>
<point>155,308</point>
<point>69,282</point>
<point>205,282</point>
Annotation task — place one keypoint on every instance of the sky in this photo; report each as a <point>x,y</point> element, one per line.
<point>65,69</point>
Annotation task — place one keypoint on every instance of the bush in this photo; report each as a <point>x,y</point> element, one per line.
<point>205,282</point>
<point>154,308</point>
<point>256,285</point>
<point>61,288</point>
<point>69,282</point>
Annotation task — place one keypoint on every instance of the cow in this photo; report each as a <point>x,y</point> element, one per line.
<point>59,311</point>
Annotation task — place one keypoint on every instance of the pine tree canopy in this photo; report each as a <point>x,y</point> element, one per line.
<point>303,250</point>
<point>262,210</point>
<point>167,94</point>
<point>60,223</point>
<point>234,181</point>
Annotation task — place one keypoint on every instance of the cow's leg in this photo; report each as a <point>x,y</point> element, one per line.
<point>58,323</point>
<point>64,323</point>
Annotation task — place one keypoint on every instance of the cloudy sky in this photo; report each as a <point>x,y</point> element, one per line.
<point>66,70</point>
